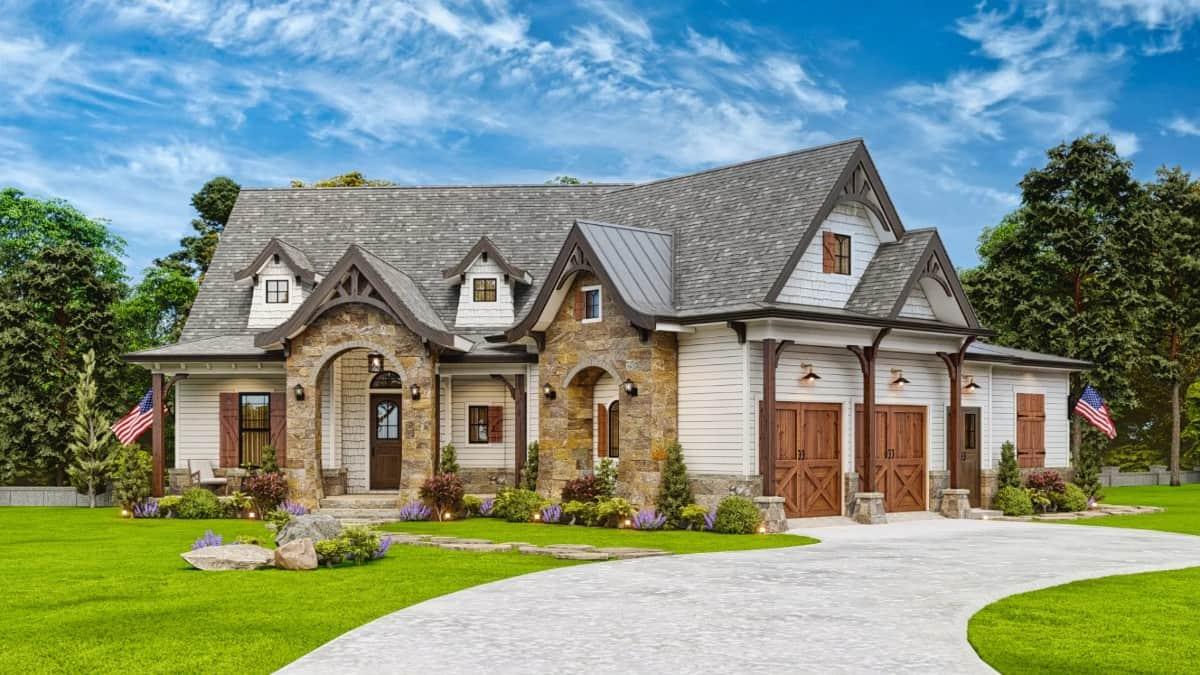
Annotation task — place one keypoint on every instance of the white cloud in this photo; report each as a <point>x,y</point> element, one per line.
<point>620,16</point>
<point>1182,126</point>
<point>711,48</point>
<point>785,74</point>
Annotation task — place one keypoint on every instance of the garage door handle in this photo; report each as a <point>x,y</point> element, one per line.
<point>801,454</point>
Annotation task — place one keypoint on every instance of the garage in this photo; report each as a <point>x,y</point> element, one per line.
<point>808,466</point>
<point>899,467</point>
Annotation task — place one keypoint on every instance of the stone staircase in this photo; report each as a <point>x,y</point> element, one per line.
<point>362,508</point>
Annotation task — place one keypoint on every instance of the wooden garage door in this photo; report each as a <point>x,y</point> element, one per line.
<point>899,464</point>
<point>808,468</point>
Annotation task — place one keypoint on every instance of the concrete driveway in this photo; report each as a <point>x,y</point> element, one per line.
<point>892,598</point>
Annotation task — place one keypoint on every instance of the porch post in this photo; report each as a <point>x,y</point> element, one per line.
<point>521,427</point>
<point>955,436</point>
<point>866,362</point>
<point>157,434</point>
<point>769,439</point>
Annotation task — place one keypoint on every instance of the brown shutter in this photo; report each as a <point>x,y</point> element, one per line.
<point>829,252</point>
<point>495,424</point>
<point>578,305</point>
<point>279,427</point>
<point>1031,430</point>
<point>601,430</point>
<point>228,436</point>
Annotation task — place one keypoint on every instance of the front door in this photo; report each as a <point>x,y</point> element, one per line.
<point>808,468</point>
<point>899,464</point>
<point>969,459</point>
<point>385,441</point>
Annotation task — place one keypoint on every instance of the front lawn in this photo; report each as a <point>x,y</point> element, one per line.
<point>540,534</point>
<point>1145,623</point>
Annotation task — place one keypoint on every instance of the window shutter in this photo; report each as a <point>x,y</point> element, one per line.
<point>1031,430</point>
<point>579,301</point>
<point>495,424</point>
<point>829,252</point>
<point>228,435</point>
<point>279,427</point>
<point>601,430</point>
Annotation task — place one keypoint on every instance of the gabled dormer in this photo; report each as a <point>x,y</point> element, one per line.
<point>486,283</point>
<point>279,279</point>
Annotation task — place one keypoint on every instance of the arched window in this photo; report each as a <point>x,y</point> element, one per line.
<point>387,380</point>
<point>614,428</point>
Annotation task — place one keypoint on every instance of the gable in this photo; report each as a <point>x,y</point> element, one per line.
<point>917,306</point>
<point>810,284</point>
<point>494,313</point>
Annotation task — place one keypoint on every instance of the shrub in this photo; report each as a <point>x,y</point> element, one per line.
<point>530,474</point>
<point>486,507</point>
<point>130,469</point>
<point>580,513</point>
<point>1008,475</point>
<point>517,505</point>
<point>449,459</point>
<point>415,511</point>
<point>649,519</point>
<point>356,544</point>
<point>277,519</point>
<point>552,514</point>
<point>692,516</point>
<point>331,551</point>
<point>167,505</point>
<point>674,492</point>
<point>736,515</point>
<point>1087,473</point>
<point>236,504</point>
<point>209,539</point>
<point>444,492</point>
<point>247,539</point>
<point>606,478</point>
<point>1013,501</point>
<point>1046,481</point>
<point>613,512</point>
<point>199,503</point>
<point>269,463</point>
<point>583,489</point>
<point>1072,498</point>
<point>267,490</point>
<point>471,505</point>
<point>146,509</point>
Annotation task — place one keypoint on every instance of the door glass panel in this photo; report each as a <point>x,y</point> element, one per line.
<point>387,421</point>
<point>972,431</point>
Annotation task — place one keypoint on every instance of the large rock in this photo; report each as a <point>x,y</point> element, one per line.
<point>296,555</point>
<point>230,557</point>
<point>313,526</point>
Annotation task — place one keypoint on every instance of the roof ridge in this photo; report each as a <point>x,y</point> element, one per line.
<point>748,162</point>
<point>635,228</point>
<point>448,186</point>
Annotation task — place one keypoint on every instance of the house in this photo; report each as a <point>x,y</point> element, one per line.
<point>775,317</point>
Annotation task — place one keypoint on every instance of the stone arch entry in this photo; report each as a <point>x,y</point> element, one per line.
<point>580,387</point>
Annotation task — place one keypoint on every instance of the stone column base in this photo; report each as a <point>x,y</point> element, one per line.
<point>771,511</point>
<point>939,481</point>
<point>867,508</point>
<point>335,481</point>
<point>956,502</point>
<point>178,480</point>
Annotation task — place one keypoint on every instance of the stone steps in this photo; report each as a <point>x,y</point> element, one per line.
<point>359,516</point>
<point>375,502</point>
<point>983,514</point>
<point>582,552</point>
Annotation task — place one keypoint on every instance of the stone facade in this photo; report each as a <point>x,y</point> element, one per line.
<point>484,481</point>
<point>938,482</point>
<point>988,484</point>
<point>342,328</point>
<point>770,509</point>
<point>575,355</point>
<point>709,489</point>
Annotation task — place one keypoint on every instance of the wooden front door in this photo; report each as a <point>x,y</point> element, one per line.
<point>385,441</point>
<point>899,464</point>
<point>808,468</point>
<point>969,459</point>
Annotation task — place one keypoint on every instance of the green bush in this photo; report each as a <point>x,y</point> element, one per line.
<point>270,460</point>
<point>168,504</point>
<point>355,544</point>
<point>1073,498</point>
<point>331,551</point>
<point>1008,475</point>
<point>1013,501</point>
<point>613,512</point>
<point>1087,472</point>
<point>606,478</point>
<point>530,474</point>
<point>737,515</point>
<point>579,513</point>
<point>449,459</point>
<point>198,503</point>
<point>471,504</point>
<point>276,518</point>
<point>517,505</point>
<point>130,468</point>
<point>675,491</point>
<point>693,515</point>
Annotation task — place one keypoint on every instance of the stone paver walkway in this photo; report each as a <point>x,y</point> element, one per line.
<point>561,551</point>
<point>888,598</point>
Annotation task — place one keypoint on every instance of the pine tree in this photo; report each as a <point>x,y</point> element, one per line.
<point>531,467</point>
<point>91,439</point>
<point>449,461</point>
<point>675,492</point>
<point>1009,475</point>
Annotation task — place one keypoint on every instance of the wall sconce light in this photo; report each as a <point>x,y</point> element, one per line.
<point>549,392</point>
<point>971,387</point>
<point>629,387</point>
<point>810,376</point>
<point>899,380</point>
<point>415,391</point>
<point>374,362</point>
<point>298,390</point>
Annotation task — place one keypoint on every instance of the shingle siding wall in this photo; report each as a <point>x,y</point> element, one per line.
<point>354,419</point>
<point>481,314</point>
<point>809,285</point>
<point>265,314</point>
<point>917,306</point>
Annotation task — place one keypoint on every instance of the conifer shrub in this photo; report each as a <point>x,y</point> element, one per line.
<point>449,459</point>
<point>1009,475</point>
<point>675,491</point>
<point>529,478</point>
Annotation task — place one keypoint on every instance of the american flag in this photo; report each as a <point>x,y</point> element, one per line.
<point>136,421</point>
<point>1093,409</point>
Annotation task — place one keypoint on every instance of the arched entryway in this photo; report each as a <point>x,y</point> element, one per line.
<point>594,412</point>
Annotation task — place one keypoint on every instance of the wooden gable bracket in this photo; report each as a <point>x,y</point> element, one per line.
<point>512,390</point>
<point>539,338</point>
<point>287,348</point>
<point>643,333</point>
<point>783,344</point>
<point>738,327</point>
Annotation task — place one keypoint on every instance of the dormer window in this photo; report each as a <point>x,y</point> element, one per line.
<point>277,291</point>
<point>835,253</point>
<point>484,289</point>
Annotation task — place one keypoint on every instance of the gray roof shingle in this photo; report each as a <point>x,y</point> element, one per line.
<point>888,273</point>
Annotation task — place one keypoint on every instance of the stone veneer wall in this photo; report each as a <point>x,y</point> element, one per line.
<point>483,481</point>
<point>340,329</point>
<point>709,489</point>
<point>575,355</point>
<point>938,480</point>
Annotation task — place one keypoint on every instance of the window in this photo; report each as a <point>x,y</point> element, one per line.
<point>254,427</point>
<point>614,428</point>
<point>477,424</point>
<point>971,431</point>
<point>387,380</point>
<point>841,254</point>
<point>485,290</point>
<point>591,304</point>
<point>277,291</point>
<point>387,421</point>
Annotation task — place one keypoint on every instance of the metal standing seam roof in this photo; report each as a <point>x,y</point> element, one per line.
<point>639,263</point>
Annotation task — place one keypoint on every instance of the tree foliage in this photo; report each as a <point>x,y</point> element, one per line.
<point>91,440</point>
<point>213,203</point>
<point>675,491</point>
<point>348,179</point>
<point>28,226</point>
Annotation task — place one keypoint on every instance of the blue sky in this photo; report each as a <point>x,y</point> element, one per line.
<point>126,108</point>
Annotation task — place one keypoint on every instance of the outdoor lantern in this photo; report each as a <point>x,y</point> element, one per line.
<point>415,390</point>
<point>374,362</point>
<point>549,392</point>
<point>971,386</point>
<point>299,391</point>
<point>809,377</point>
<point>629,387</point>
<point>900,380</point>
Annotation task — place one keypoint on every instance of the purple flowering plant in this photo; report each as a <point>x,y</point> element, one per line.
<point>415,511</point>
<point>649,519</point>
<point>485,507</point>
<point>209,539</point>
<point>146,509</point>
<point>552,514</point>
<point>385,542</point>
<point>710,519</point>
<point>293,508</point>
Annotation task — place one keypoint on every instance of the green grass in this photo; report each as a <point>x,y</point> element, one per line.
<point>674,541</point>
<point>1137,623</point>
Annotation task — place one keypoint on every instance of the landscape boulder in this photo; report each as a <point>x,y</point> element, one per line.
<point>230,557</point>
<point>296,555</point>
<point>313,526</point>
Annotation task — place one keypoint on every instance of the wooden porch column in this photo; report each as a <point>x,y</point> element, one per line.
<point>521,432</point>
<point>866,362</point>
<point>157,434</point>
<point>955,424</point>
<point>437,422</point>
<point>768,447</point>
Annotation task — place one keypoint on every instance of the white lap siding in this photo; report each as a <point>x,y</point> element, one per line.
<point>1055,385</point>
<point>809,284</point>
<point>533,401</point>
<point>475,390</point>
<point>197,411</point>
<point>353,418</point>
<point>711,410</point>
<point>604,392</point>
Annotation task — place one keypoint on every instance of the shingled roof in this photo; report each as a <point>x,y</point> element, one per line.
<point>887,275</point>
